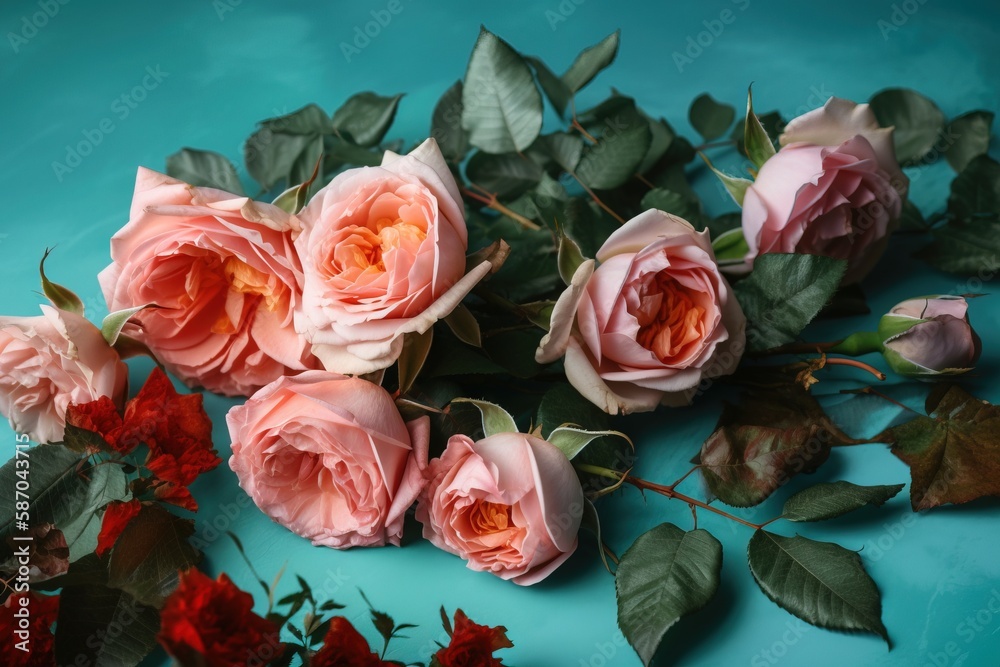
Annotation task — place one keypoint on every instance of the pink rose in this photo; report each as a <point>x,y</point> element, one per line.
<point>329,458</point>
<point>509,504</point>
<point>651,322</point>
<point>224,272</point>
<point>834,189</point>
<point>383,250</point>
<point>50,361</point>
<point>930,337</point>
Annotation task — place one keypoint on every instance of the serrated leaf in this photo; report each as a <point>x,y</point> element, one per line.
<point>565,149</point>
<point>917,120</point>
<point>339,152</point>
<point>829,500</point>
<point>591,61</point>
<point>61,297</point>
<point>416,346</point>
<point>148,554</point>
<point>495,419</point>
<point>764,441</point>
<point>271,157</point>
<point>501,105</point>
<point>616,156</point>
<point>665,575</point>
<point>709,117</point>
<point>508,175</point>
<point>975,192</point>
<point>822,583</point>
<point>674,203</point>
<point>125,629</point>
<point>967,136</point>
<point>365,118</point>
<point>446,125</point>
<point>204,168</point>
<point>757,144</point>
<point>309,120</point>
<point>784,293</point>
<point>954,453</point>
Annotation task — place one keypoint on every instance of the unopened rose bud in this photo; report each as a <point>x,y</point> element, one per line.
<point>929,336</point>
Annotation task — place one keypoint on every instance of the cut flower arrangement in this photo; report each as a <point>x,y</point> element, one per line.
<point>450,329</point>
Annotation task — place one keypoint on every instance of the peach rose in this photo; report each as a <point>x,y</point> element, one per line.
<point>329,458</point>
<point>383,251</point>
<point>225,275</point>
<point>50,361</point>
<point>651,322</point>
<point>509,504</point>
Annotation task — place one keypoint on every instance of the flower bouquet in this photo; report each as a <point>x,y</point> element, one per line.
<point>452,334</point>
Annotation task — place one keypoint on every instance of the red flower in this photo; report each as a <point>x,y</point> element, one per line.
<point>101,417</point>
<point>37,638</point>
<point>211,623</point>
<point>178,433</point>
<point>116,517</point>
<point>472,645</point>
<point>344,646</point>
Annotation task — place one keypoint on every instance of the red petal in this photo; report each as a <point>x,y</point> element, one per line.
<point>101,417</point>
<point>116,517</point>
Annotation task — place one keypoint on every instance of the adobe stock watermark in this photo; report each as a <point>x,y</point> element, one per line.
<point>697,43</point>
<point>121,108</point>
<point>898,17</point>
<point>773,654</point>
<point>953,654</point>
<point>562,12</point>
<point>34,22</point>
<point>363,34</point>
<point>223,7</point>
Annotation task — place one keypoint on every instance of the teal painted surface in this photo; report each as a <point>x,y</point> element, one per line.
<point>218,71</point>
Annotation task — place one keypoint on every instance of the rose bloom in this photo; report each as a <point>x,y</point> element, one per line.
<point>329,457</point>
<point>930,336</point>
<point>225,275</point>
<point>834,189</point>
<point>473,644</point>
<point>50,361</point>
<point>509,504</point>
<point>212,623</point>
<point>383,251</point>
<point>651,322</point>
<point>43,610</point>
<point>343,646</point>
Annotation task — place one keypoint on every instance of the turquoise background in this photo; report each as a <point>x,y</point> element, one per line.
<point>225,65</point>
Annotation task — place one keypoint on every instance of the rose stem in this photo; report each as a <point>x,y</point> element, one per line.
<point>839,361</point>
<point>492,203</point>
<point>645,181</point>
<point>666,491</point>
<point>597,200</point>
<point>579,128</point>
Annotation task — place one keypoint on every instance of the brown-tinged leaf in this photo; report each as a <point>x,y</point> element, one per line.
<point>761,443</point>
<point>953,454</point>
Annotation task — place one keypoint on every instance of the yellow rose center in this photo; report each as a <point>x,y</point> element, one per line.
<point>244,279</point>
<point>364,249</point>
<point>670,318</point>
<point>487,517</point>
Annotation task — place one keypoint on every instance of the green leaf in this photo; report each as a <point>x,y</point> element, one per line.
<point>272,157</point>
<point>674,203</point>
<point>365,118</point>
<point>917,120</point>
<point>565,149</point>
<point>765,440</point>
<point>771,121</point>
<point>103,627</point>
<point>616,156</point>
<point>446,125</point>
<point>730,247</point>
<point>784,293</point>
<point>591,61</point>
<point>57,489</point>
<point>569,259</point>
<point>501,105</point>
<point>340,151</point>
<point>954,453</point>
<point>61,297</point>
<point>553,87</point>
<point>204,168</point>
<point>709,117</point>
<point>107,483</point>
<point>563,405</point>
<point>591,521</point>
<point>968,136</point>
<point>975,192</point>
<point>665,575</point>
<point>822,583</point>
<point>112,325</point>
<point>495,419</point>
<point>416,346</point>
<point>826,501</point>
<point>508,175</point>
<point>309,120</point>
<point>571,441</point>
<point>735,186</point>
<point>148,554</point>
<point>463,324</point>
<point>294,198</point>
<point>758,145</point>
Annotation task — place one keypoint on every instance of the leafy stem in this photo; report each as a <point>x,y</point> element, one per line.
<point>491,202</point>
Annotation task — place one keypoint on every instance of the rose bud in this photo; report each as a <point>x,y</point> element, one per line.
<point>509,504</point>
<point>330,458</point>
<point>929,336</point>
